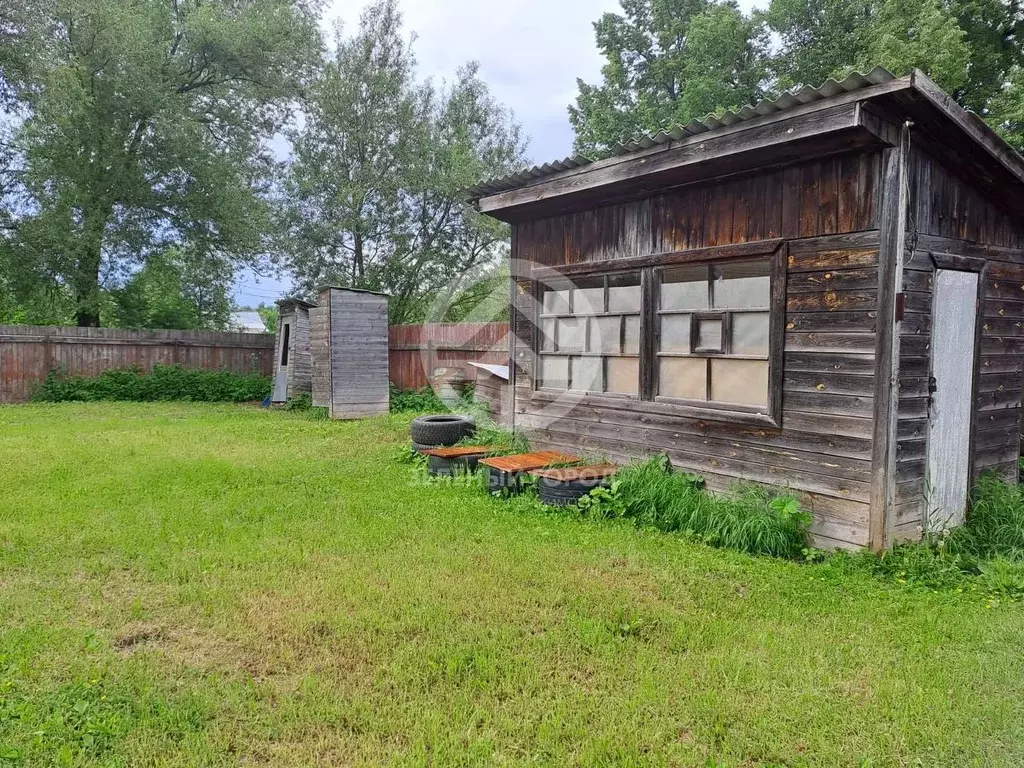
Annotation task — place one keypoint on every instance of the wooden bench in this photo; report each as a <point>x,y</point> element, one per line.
<point>446,462</point>
<point>506,472</point>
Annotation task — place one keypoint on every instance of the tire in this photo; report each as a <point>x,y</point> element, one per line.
<point>441,430</point>
<point>439,467</point>
<point>420,448</point>
<point>565,493</point>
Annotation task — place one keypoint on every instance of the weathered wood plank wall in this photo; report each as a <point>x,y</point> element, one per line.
<point>827,210</point>
<point>416,351</point>
<point>949,217</point>
<point>28,353</point>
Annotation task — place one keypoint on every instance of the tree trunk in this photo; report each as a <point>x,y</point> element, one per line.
<point>358,258</point>
<point>87,270</point>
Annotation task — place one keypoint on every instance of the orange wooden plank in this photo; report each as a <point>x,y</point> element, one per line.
<point>568,474</point>
<point>525,462</point>
<point>460,451</point>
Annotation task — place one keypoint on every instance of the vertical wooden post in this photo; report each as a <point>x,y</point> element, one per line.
<point>893,230</point>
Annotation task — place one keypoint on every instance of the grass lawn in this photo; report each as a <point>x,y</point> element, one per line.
<point>206,585</point>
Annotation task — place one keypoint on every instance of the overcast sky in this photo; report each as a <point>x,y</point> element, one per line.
<point>530,54</point>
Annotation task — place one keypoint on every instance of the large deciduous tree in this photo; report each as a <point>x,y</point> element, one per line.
<point>667,62</point>
<point>142,123</point>
<point>375,192</point>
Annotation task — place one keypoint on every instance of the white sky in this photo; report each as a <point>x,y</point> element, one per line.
<point>530,54</point>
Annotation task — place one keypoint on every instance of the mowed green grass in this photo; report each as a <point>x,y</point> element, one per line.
<point>205,586</point>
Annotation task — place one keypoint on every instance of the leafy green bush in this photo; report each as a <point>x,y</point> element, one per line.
<point>416,401</point>
<point>301,402</point>
<point>752,519</point>
<point>165,383</point>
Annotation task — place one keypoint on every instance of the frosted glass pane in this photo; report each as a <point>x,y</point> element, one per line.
<point>624,375</point>
<point>571,334</point>
<point>586,374</point>
<point>588,297</point>
<point>709,335</point>
<point>741,286</point>
<point>675,333</point>
<point>556,302</point>
<point>548,334</point>
<point>750,333</point>
<point>744,382</point>
<point>632,345</point>
<point>684,288</point>
<point>604,334</point>
<point>554,371</point>
<point>683,377</point>
<point>624,293</point>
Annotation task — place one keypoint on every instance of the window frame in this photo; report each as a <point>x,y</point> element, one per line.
<point>539,352</point>
<point>775,252</point>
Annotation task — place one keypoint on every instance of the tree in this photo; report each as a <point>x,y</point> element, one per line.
<point>971,48</point>
<point>145,123</point>
<point>176,289</point>
<point>374,195</point>
<point>668,62</point>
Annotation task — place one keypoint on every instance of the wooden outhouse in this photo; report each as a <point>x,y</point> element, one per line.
<point>349,339</point>
<point>293,369</point>
<point>824,291</point>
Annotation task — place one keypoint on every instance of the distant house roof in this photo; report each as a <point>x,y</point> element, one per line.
<point>247,322</point>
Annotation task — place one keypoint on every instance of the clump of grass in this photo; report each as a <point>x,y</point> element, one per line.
<point>985,554</point>
<point>751,519</point>
<point>995,525</point>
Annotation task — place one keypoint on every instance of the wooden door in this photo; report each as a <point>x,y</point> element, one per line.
<point>281,380</point>
<point>954,320</point>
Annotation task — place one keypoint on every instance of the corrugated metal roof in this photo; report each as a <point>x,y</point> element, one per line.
<point>788,100</point>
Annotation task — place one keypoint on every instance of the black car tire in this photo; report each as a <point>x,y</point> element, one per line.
<point>442,430</point>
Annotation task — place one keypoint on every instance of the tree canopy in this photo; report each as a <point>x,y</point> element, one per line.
<point>139,124</point>
<point>670,61</point>
<point>374,192</point>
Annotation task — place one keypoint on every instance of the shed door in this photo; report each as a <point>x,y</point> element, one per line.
<point>281,382</point>
<point>954,318</point>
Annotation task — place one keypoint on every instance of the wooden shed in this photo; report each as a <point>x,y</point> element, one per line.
<point>823,291</point>
<point>349,339</point>
<point>293,360</point>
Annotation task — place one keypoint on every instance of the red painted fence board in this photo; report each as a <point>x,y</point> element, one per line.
<point>28,353</point>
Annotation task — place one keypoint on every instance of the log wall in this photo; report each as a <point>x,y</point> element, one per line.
<point>827,211</point>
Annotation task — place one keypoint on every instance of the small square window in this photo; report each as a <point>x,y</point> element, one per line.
<point>623,375</point>
<point>675,333</point>
<point>710,333</point>
<point>624,293</point>
<point>604,335</point>
<point>571,334</point>
<point>556,302</point>
<point>586,374</point>
<point>554,372</point>
<point>588,297</point>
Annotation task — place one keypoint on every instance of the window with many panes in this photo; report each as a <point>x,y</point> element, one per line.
<point>710,326</point>
<point>713,339</point>
<point>590,335</point>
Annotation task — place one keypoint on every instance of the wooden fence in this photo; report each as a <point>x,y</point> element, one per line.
<point>418,351</point>
<point>28,353</point>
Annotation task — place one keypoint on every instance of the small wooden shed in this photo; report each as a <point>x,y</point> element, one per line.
<point>293,360</point>
<point>823,291</point>
<point>349,339</point>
